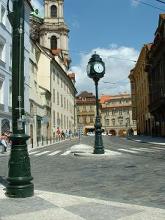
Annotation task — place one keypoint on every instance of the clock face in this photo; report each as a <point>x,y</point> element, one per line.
<point>98,68</point>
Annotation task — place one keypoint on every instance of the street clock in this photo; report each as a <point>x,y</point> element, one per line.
<point>95,67</point>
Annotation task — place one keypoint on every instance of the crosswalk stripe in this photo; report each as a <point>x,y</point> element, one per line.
<point>54,153</point>
<point>143,149</point>
<point>66,153</point>
<point>41,153</point>
<point>33,152</point>
<point>128,151</point>
<point>158,148</point>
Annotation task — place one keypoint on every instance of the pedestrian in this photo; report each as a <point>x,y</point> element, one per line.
<point>66,134</point>
<point>70,134</point>
<point>58,134</point>
<point>3,142</point>
<point>62,135</point>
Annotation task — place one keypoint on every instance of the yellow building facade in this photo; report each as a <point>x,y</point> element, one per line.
<point>140,93</point>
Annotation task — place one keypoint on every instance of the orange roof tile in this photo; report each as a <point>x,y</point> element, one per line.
<point>104,98</point>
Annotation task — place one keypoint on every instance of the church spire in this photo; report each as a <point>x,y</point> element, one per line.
<point>54,31</point>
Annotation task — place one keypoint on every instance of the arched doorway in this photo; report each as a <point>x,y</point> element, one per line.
<point>112,132</point>
<point>122,132</point>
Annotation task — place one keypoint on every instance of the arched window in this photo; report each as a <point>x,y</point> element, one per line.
<point>53,42</point>
<point>53,11</point>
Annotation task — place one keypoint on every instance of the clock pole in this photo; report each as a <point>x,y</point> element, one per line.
<point>96,70</point>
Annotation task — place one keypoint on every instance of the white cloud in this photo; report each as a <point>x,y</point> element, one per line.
<point>38,4</point>
<point>118,63</point>
<point>134,3</point>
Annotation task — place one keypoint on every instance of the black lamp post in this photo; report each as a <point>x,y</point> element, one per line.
<point>19,173</point>
<point>96,70</point>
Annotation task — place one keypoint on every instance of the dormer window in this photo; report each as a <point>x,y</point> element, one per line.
<point>53,11</point>
<point>53,42</point>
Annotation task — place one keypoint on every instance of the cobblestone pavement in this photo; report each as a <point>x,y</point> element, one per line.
<point>133,174</point>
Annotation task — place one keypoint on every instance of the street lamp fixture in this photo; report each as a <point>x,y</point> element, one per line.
<point>19,173</point>
<point>96,70</point>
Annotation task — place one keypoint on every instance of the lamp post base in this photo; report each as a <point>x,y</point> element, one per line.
<point>19,174</point>
<point>98,148</point>
<point>17,191</point>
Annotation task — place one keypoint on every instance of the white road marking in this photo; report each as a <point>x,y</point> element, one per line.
<point>41,153</point>
<point>54,153</point>
<point>144,149</point>
<point>66,153</point>
<point>128,151</point>
<point>33,152</point>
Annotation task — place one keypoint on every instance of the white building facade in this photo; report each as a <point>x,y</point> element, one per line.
<point>52,87</point>
<point>6,66</point>
<point>5,69</point>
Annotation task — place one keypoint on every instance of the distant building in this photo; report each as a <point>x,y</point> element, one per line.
<point>140,93</point>
<point>86,111</point>
<point>55,85</point>
<point>156,76</point>
<point>116,114</point>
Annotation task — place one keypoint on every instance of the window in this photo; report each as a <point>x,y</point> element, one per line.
<point>10,94</point>
<point>113,111</point>
<point>67,105</point>
<point>84,108</point>
<point>58,101</point>
<point>2,49</point>
<point>120,120</point>
<point>58,119</point>
<point>54,118</point>
<point>91,119</point>
<point>107,122</point>
<point>113,122</point>
<point>54,73</point>
<point>61,121</point>
<point>120,111</point>
<point>53,11</point>
<point>58,78</point>
<point>53,42</point>
<point>64,121</point>
<point>61,101</point>
<point>2,15</point>
<point>64,103</point>
<point>1,90</point>
<point>53,95</point>
<point>127,121</point>
<point>10,63</point>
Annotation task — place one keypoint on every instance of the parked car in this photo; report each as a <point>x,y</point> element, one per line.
<point>104,133</point>
<point>109,134</point>
<point>90,133</point>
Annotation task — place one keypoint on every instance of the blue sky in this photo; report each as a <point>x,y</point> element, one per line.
<point>115,29</point>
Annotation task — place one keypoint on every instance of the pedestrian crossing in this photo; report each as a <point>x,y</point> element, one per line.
<point>49,153</point>
<point>140,150</point>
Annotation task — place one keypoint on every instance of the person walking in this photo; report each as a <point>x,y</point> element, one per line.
<point>58,132</point>
<point>3,141</point>
<point>70,134</point>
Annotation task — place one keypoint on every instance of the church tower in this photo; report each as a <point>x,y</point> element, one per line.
<point>54,31</point>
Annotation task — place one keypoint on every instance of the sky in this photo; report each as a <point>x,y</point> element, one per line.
<point>114,29</point>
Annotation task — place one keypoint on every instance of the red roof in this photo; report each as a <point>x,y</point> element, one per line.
<point>105,98</point>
